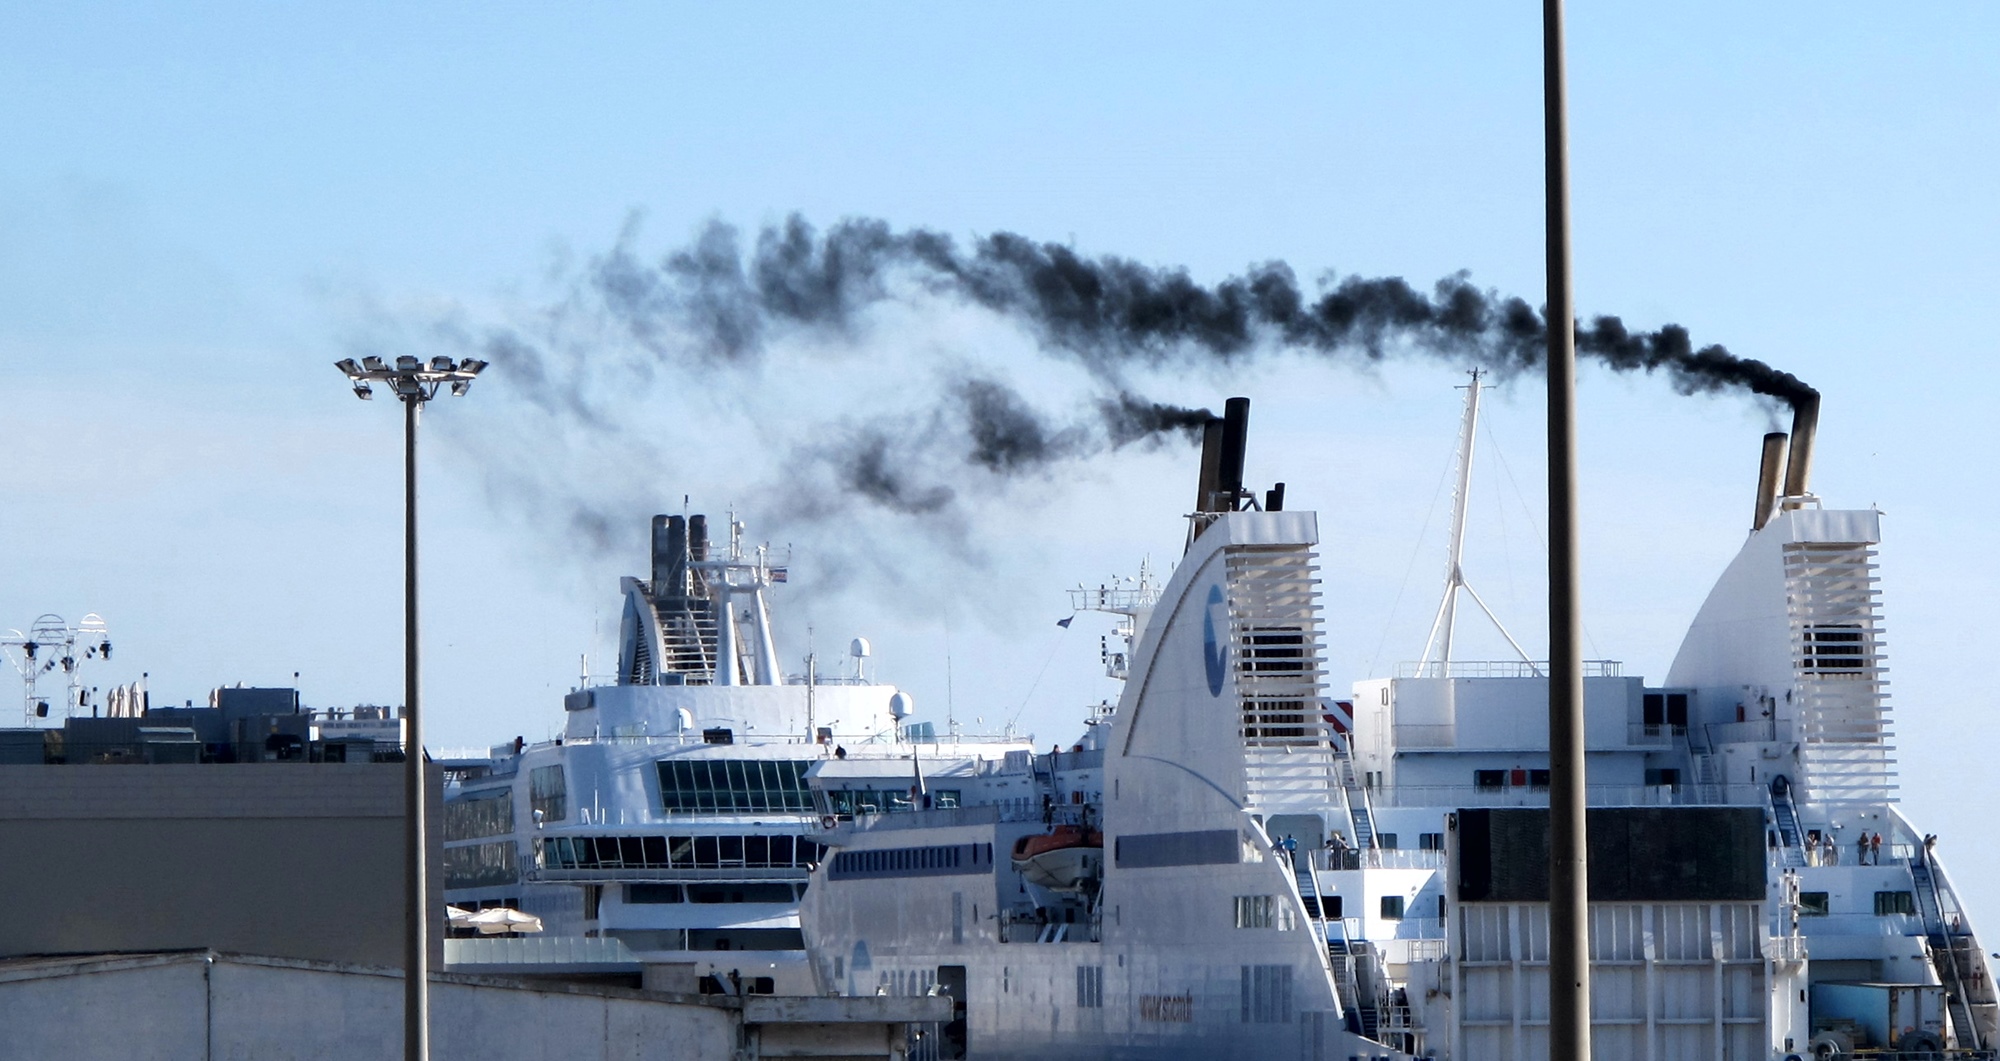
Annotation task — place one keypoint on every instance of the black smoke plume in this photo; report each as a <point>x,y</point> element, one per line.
<point>719,304</point>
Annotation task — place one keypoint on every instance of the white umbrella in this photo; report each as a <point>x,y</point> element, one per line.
<point>457,917</point>
<point>499,919</point>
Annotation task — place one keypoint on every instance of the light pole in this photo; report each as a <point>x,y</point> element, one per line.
<point>414,382</point>
<point>1569,863</point>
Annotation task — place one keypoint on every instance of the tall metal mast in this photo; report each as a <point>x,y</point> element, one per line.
<point>1446,623</point>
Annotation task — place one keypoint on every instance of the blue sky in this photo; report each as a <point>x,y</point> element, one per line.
<point>202,206</point>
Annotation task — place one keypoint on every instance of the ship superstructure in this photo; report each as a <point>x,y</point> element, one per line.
<point>671,827</point>
<point>1238,863</point>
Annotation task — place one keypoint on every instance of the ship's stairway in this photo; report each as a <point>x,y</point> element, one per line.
<point>1955,954</point>
<point>1358,810</point>
<point>1359,982</point>
<point>1707,779</point>
<point>1785,814</point>
<point>1339,962</point>
<point>1308,888</point>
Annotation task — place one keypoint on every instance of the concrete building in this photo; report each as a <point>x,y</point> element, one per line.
<point>205,1006</point>
<point>288,859</point>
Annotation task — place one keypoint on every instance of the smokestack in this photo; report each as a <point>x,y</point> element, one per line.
<point>1768,474</point>
<point>1805,421</point>
<point>669,558</point>
<point>698,537</point>
<point>1211,464</point>
<point>1235,433</point>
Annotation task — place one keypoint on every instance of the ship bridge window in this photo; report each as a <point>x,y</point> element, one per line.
<point>1834,649</point>
<point>741,786</point>
<point>547,793</point>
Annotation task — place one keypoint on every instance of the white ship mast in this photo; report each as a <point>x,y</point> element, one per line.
<point>1438,645</point>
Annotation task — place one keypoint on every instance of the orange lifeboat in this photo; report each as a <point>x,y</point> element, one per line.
<point>1062,859</point>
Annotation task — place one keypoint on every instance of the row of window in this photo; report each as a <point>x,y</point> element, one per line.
<point>679,852</point>
<point>884,801</point>
<point>1816,904</point>
<point>718,892</point>
<point>1263,911</point>
<point>480,815</point>
<point>735,786</point>
<point>1090,987</point>
<point>1492,779</point>
<point>481,865</point>
<point>934,861</point>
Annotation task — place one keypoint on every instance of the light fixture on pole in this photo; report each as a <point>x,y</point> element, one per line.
<point>414,382</point>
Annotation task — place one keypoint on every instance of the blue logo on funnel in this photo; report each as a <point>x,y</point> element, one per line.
<point>1213,652</point>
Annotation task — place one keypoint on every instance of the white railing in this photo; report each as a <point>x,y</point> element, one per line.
<point>1645,734</point>
<point>1595,796</point>
<point>1379,858</point>
<point>1754,731</point>
<point>1502,668</point>
<point>1785,949</point>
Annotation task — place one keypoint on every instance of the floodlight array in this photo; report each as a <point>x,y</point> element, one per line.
<point>409,378</point>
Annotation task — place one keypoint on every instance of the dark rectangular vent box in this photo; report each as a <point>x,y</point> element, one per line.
<point>1636,854</point>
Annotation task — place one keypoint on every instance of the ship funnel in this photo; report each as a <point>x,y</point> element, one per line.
<point>1235,435</point>
<point>1805,422</point>
<point>1211,463</point>
<point>670,557</point>
<point>698,537</point>
<point>1768,474</point>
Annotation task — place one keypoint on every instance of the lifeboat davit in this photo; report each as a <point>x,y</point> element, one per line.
<point>1062,860</point>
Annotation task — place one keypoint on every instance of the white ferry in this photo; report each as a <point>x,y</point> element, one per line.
<point>668,832</point>
<point>1235,864</point>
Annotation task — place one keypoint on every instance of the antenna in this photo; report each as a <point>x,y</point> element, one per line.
<point>51,643</point>
<point>950,718</point>
<point>1446,623</point>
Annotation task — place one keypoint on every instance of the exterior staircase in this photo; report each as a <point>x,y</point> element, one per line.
<point>1954,953</point>
<point>1785,814</point>
<point>1358,810</point>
